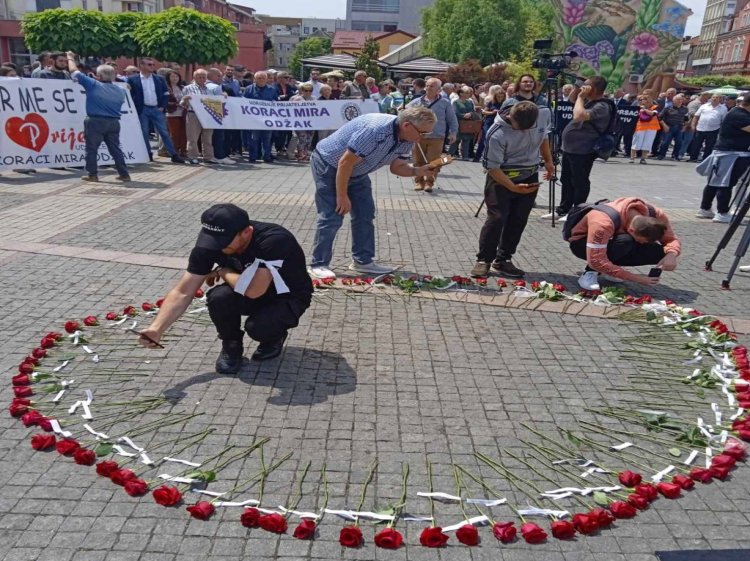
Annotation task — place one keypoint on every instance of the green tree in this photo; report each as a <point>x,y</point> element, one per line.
<point>311,47</point>
<point>367,59</point>
<point>124,24</point>
<point>85,32</point>
<point>539,16</point>
<point>187,36</point>
<point>486,30</point>
<point>713,80</point>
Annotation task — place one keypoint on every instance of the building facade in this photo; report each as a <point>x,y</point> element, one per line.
<point>285,33</point>
<point>385,15</point>
<point>352,42</point>
<point>732,52</point>
<point>685,58</point>
<point>716,20</point>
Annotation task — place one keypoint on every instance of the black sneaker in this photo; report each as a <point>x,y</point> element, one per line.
<point>230,357</point>
<point>507,268</point>
<point>270,349</point>
<point>178,159</point>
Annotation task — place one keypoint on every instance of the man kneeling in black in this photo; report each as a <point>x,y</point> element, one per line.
<point>265,278</point>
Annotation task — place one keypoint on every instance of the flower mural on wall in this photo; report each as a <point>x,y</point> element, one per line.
<point>644,43</point>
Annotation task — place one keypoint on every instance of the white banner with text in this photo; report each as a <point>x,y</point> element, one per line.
<point>43,125</point>
<point>218,112</point>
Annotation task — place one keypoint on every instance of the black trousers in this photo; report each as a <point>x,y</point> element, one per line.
<point>106,129</point>
<point>624,251</point>
<point>268,319</point>
<point>507,215</point>
<point>574,179</point>
<point>723,195</point>
<point>709,137</point>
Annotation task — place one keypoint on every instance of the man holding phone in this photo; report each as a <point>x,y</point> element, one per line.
<point>511,159</point>
<point>626,232</point>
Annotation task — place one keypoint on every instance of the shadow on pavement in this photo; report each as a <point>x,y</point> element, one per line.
<point>302,376</point>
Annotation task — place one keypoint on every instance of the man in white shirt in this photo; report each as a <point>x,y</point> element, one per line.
<point>315,82</point>
<point>706,123</point>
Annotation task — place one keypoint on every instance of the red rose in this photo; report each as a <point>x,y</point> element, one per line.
<point>90,321</point>
<point>122,476</point>
<point>620,509</point>
<point>167,496</point>
<point>388,539</point>
<point>683,481</point>
<point>641,503</point>
<point>669,490</point>
<point>72,326</point>
<point>305,530</point>
<point>603,517</point>
<point>84,457</point>
<point>533,533</point>
<point>23,391</point>
<point>159,302</point>
<point>585,524</point>
<point>723,460</point>
<point>45,424</point>
<point>468,535</point>
<point>21,380</point>
<point>720,472</point>
<point>522,283</point>
<point>535,286</point>
<point>647,490</point>
<point>629,478</point>
<point>39,352</point>
<point>736,450</point>
<point>67,446</point>
<point>502,283</point>
<point>559,287</point>
<point>112,316</point>
<point>147,307</point>
<point>106,468</point>
<point>740,424</point>
<point>31,359</point>
<point>433,537</point>
<point>25,368</point>
<point>31,418</point>
<point>199,293</point>
<point>43,441</point>
<point>56,335</point>
<point>744,434</point>
<point>47,343</point>
<point>20,401</point>
<point>136,487</point>
<point>273,523</point>
<point>350,536</point>
<point>131,311</point>
<point>505,532</point>
<point>701,474</point>
<point>563,530</point>
<point>250,517</point>
<point>202,510</point>
<point>17,409</point>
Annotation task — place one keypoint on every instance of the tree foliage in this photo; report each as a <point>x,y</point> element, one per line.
<point>367,59</point>
<point>486,30</point>
<point>187,36</point>
<point>125,24</point>
<point>539,16</point>
<point>310,47</point>
<point>85,32</point>
<point>737,81</point>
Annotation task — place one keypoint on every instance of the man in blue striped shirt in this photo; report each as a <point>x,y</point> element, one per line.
<point>341,165</point>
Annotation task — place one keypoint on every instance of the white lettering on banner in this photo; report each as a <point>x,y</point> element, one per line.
<point>218,112</point>
<point>43,125</point>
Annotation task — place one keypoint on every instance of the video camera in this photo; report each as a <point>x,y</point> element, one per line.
<point>550,61</point>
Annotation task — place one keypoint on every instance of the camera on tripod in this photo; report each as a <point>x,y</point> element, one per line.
<point>550,61</point>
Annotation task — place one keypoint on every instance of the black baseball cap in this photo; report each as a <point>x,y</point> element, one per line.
<point>220,224</point>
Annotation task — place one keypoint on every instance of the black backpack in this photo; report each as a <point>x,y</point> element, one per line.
<point>606,143</point>
<point>577,213</point>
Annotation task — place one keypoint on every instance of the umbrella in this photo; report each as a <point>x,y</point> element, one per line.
<point>725,90</point>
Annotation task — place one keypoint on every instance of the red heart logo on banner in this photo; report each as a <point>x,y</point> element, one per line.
<point>31,132</point>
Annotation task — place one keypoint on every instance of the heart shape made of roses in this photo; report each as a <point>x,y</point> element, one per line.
<point>30,132</point>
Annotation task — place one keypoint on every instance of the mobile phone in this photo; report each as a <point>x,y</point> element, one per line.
<point>655,272</point>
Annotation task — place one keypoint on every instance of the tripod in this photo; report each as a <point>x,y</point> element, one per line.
<point>742,199</point>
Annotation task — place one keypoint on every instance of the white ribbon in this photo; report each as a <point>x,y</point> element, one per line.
<point>209,493</point>
<point>145,459</point>
<point>730,396</point>
<point>709,453</point>
<point>58,429</point>
<point>119,322</point>
<point>130,443</point>
<point>440,496</point>
<point>58,397</point>
<point>533,511</point>
<point>580,462</point>
<point>122,452</point>
<point>621,447</point>
<point>659,476</point>
<point>565,492</point>
<point>89,351</point>
<point>86,411</point>
<point>691,458</point>
<point>593,470</point>
<point>300,514</point>
<point>177,460</point>
<point>717,413</point>
<point>476,521</point>
<point>417,519</point>
<point>248,502</point>
<point>737,415</point>
<point>247,276</point>
<point>175,479</point>
<point>63,365</point>
<point>76,336</point>
<point>98,435</point>
<point>486,502</point>
<point>354,515</point>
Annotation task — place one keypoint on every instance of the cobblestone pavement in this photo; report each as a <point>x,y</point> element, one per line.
<point>363,377</point>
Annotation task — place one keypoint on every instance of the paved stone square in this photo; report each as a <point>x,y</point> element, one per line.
<point>364,376</point>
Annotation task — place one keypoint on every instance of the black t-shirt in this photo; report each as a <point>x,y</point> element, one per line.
<point>731,135</point>
<point>270,242</point>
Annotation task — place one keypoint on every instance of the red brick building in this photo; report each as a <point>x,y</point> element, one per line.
<point>732,54</point>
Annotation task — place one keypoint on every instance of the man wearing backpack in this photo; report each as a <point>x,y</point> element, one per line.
<point>592,117</point>
<point>626,232</point>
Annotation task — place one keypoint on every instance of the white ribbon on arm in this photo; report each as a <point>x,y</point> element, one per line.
<point>273,267</point>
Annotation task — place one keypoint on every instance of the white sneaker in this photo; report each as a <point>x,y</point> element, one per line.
<point>589,280</point>
<point>549,215</point>
<point>211,161</point>
<point>373,268</point>
<point>227,161</point>
<point>704,214</point>
<point>724,218</point>
<point>745,268</point>
<point>613,280</point>
<point>321,273</point>
<point>563,218</point>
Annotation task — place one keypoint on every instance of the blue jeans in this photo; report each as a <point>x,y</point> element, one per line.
<point>260,145</point>
<point>674,133</point>
<point>155,116</point>
<point>218,143</point>
<point>363,215</point>
<point>96,130</point>
<point>687,139</point>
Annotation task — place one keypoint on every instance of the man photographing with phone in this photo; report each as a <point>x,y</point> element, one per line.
<point>511,158</point>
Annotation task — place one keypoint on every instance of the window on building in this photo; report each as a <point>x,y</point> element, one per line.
<point>19,54</point>
<point>373,26</point>
<point>737,52</point>
<point>390,27</point>
<point>383,6</point>
<point>306,31</point>
<point>47,5</point>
